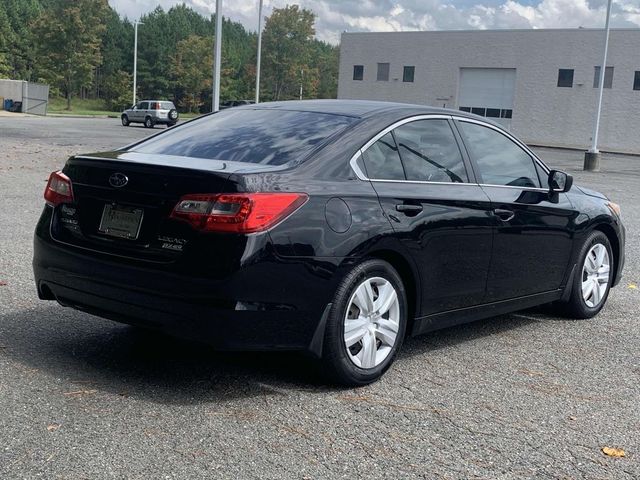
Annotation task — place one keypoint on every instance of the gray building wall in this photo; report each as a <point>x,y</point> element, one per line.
<point>543,113</point>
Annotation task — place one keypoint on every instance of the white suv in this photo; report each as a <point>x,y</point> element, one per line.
<point>150,113</point>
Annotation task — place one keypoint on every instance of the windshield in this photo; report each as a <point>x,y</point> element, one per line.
<point>269,137</point>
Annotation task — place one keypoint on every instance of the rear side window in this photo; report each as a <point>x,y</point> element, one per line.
<point>381,160</point>
<point>430,152</point>
<point>264,136</point>
<point>500,160</point>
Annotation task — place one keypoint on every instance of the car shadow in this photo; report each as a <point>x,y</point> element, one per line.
<point>91,353</point>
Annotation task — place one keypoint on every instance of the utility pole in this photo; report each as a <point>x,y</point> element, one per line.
<point>259,53</point>
<point>218,51</point>
<point>592,156</point>
<point>301,79</point>
<point>135,59</point>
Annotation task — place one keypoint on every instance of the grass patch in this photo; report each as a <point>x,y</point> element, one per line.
<point>91,106</point>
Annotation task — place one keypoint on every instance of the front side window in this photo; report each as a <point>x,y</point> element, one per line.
<point>265,136</point>
<point>429,151</point>
<point>381,160</point>
<point>608,77</point>
<point>358,72</point>
<point>383,72</point>
<point>500,160</point>
<point>408,73</point>
<point>565,77</point>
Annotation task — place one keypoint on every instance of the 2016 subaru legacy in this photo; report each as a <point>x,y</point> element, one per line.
<point>331,227</point>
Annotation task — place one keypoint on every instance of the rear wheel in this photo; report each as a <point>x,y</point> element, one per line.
<point>125,120</point>
<point>366,324</point>
<point>173,116</point>
<point>148,122</point>
<point>592,279</point>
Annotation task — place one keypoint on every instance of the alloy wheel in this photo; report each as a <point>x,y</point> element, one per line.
<point>372,322</point>
<point>595,275</point>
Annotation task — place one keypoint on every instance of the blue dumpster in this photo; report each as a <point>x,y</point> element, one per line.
<point>8,103</point>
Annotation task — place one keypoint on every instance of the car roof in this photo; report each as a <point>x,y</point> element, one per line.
<point>356,108</point>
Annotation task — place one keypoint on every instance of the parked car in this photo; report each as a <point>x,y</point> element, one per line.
<point>235,103</point>
<point>331,227</point>
<point>151,113</point>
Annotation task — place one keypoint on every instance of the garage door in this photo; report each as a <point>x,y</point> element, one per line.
<point>488,92</point>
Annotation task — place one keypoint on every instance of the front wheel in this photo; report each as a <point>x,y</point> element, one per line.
<point>125,121</point>
<point>366,324</point>
<point>592,279</point>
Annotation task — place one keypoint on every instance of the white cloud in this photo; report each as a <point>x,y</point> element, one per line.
<point>336,16</point>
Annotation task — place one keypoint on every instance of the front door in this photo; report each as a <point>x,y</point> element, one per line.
<point>534,230</point>
<point>424,188</point>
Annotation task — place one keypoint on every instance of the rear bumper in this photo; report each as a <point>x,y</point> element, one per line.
<point>268,305</point>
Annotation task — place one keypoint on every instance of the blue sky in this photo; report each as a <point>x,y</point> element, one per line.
<point>336,16</point>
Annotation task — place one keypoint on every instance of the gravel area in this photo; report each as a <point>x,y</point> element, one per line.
<point>518,396</point>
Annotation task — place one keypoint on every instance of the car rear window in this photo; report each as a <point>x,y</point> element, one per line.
<point>166,105</point>
<point>269,137</point>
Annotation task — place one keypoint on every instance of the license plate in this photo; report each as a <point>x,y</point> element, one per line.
<point>120,221</point>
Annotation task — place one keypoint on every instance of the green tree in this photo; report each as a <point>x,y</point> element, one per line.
<point>287,40</point>
<point>68,43</point>
<point>192,65</point>
<point>117,90</point>
<point>6,39</point>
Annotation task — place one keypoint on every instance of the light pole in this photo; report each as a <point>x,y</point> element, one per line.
<point>218,51</point>
<point>592,156</point>
<point>135,58</point>
<point>259,53</point>
<point>301,80</point>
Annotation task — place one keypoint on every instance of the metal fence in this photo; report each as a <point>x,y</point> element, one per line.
<point>34,96</point>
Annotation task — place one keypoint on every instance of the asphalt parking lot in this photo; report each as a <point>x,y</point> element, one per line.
<point>514,397</point>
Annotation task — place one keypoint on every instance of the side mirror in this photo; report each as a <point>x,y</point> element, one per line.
<point>559,181</point>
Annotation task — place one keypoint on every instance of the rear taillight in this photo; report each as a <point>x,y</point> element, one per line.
<point>237,213</point>
<point>59,189</point>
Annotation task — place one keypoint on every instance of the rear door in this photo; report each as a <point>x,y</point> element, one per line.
<point>442,216</point>
<point>534,230</point>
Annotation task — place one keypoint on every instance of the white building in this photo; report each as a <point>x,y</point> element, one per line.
<point>541,84</point>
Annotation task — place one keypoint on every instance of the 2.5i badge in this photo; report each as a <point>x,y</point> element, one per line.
<point>172,243</point>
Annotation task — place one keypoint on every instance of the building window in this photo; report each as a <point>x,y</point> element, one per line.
<point>489,112</point>
<point>608,77</point>
<point>358,72</point>
<point>565,77</point>
<point>408,74</point>
<point>636,80</point>
<point>383,72</point>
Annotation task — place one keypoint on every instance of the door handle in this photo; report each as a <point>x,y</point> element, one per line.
<point>409,208</point>
<point>504,215</point>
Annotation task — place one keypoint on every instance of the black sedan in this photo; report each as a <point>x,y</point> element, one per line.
<point>330,227</point>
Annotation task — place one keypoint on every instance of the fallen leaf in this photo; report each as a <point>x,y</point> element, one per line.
<point>3,283</point>
<point>613,452</point>
<point>53,427</point>
<point>633,286</point>
<point>572,418</point>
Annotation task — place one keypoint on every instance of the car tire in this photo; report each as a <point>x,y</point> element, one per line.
<point>592,279</point>
<point>173,116</point>
<point>148,122</point>
<point>367,358</point>
<point>125,120</point>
